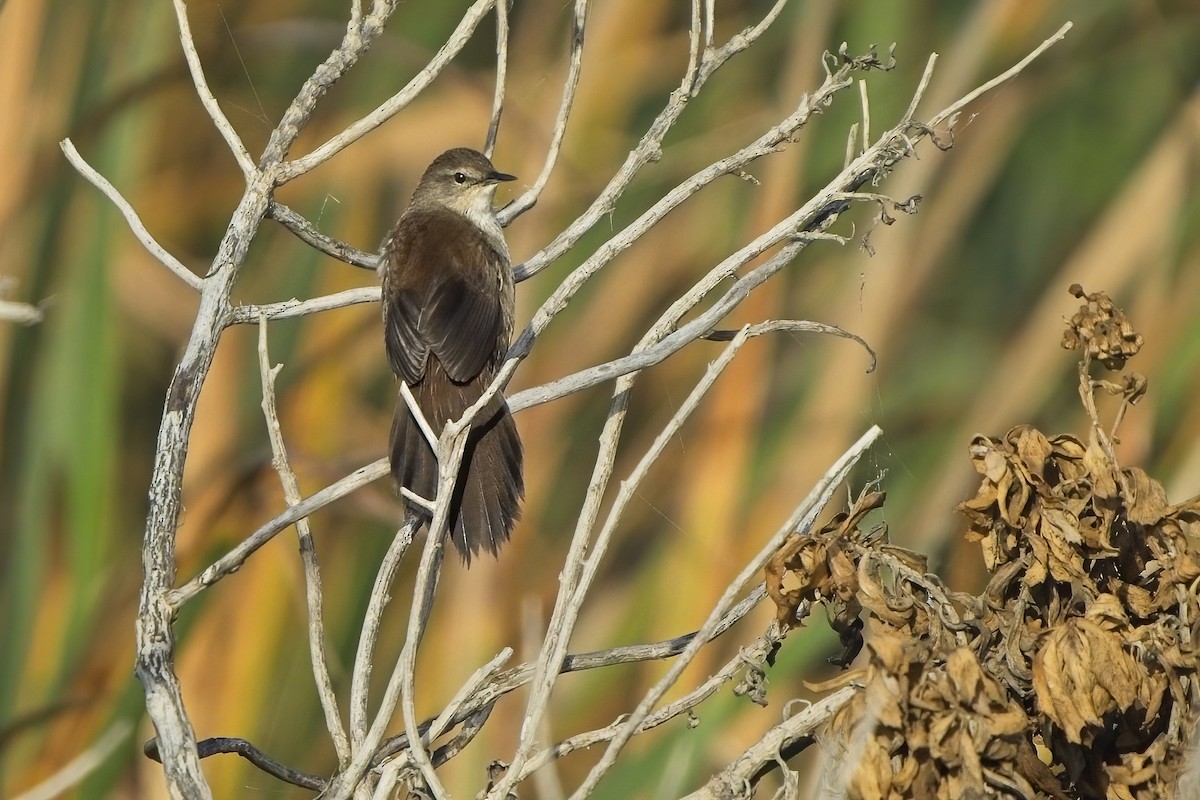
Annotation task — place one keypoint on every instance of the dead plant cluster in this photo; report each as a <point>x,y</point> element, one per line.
<point>1073,675</point>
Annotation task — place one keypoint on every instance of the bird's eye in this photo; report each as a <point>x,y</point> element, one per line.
<point>460,177</point>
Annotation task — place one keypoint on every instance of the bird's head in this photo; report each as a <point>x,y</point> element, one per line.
<point>461,179</point>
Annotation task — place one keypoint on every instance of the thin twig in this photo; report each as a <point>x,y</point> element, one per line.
<point>224,127</point>
<point>450,458</point>
<point>754,653</point>
<point>696,39</point>
<point>361,33</point>
<point>233,560</point>
<point>547,783</point>
<point>20,313</point>
<point>648,150</point>
<point>472,685</point>
<point>801,519</point>
<point>746,768</point>
<point>222,745</point>
<point>308,555</point>
<point>922,87</point>
<point>400,685</point>
<point>396,103</point>
<point>530,197</point>
<point>131,218</point>
<point>1008,74</point>
<point>290,309</point>
<point>517,677</point>
<point>866,114</point>
<point>501,76</point>
<point>308,234</point>
<point>415,409</point>
<point>714,59</point>
<point>659,352</point>
<point>364,656</point>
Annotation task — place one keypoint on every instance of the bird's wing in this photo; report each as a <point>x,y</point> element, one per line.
<point>461,324</point>
<point>407,349</point>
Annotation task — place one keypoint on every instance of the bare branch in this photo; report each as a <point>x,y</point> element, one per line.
<point>308,234</point>
<point>364,656</point>
<point>922,87</point>
<point>715,59</point>
<point>308,554</point>
<point>641,359</point>
<point>648,150</point>
<point>232,561</point>
<point>801,519</point>
<point>361,33</point>
<point>695,40</point>
<point>501,76</point>
<point>432,730</point>
<point>400,687</point>
<point>290,309</point>
<point>450,458</point>
<point>366,738</point>
<point>866,114</point>
<point>393,105</point>
<point>949,111</point>
<point>527,200</point>
<point>517,677</point>
<point>220,745</point>
<point>415,409</point>
<point>747,768</point>
<point>135,223</point>
<point>224,127</point>
<point>20,313</point>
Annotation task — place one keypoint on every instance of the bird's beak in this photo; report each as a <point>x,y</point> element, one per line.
<point>497,177</point>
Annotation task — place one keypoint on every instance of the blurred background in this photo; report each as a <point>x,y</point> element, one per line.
<point>1083,169</point>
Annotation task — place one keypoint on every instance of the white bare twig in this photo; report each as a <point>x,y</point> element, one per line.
<point>393,105</point>
<point>418,415</point>
<point>473,684</point>
<point>450,454</point>
<point>801,519</point>
<point>951,110</point>
<point>400,685</point>
<point>232,140</point>
<point>742,770</point>
<point>233,560</point>
<point>866,114</point>
<point>648,150</point>
<point>501,76</point>
<point>308,554</point>
<point>135,223</point>
<point>290,309</point>
<point>364,657</point>
<point>20,313</point>
<point>527,200</point>
<point>755,652</point>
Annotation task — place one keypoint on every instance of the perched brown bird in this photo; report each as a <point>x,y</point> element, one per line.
<point>448,303</point>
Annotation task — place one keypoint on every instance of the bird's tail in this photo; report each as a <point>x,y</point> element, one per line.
<point>486,500</point>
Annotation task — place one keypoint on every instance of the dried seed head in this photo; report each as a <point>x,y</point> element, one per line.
<point>1101,330</point>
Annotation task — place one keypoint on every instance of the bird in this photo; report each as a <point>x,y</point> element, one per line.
<point>448,306</point>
